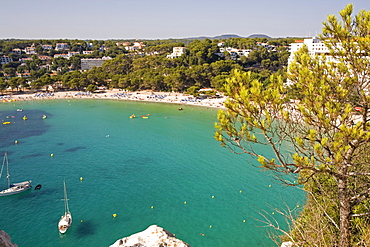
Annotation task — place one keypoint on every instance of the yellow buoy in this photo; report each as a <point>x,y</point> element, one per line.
<point>273,213</point>
<point>213,196</point>
<point>114,215</point>
<point>81,221</point>
<point>210,226</point>
<point>240,191</point>
<point>81,178</point>
<point>152,207</point>
<point>270,185</point>
<point>244,221</point>
<point>16,142</point>
<point>51,155</point>
<point>184,202</point>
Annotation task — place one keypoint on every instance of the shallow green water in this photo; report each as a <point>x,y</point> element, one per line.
<point>143,170</point>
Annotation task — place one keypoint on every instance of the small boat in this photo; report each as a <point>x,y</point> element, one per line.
<point>25,118</point>
<point>65,221</point>
<point>16,187</point>
<point>180,109</point>
<point>6,122</point>
<point>133,116</point>
<point>38,187</point>
<point>44,116</point>
<point>20,109</point>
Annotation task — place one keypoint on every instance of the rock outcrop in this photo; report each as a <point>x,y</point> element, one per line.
<point>153,236</point>
<point>5,240</point>
<point>287,244</point>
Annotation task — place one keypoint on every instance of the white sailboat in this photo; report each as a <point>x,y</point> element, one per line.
<point>14,188</point>
<point>65,221</point>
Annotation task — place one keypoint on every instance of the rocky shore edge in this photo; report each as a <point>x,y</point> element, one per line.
<point>153,236</point>
<point>5,240</point>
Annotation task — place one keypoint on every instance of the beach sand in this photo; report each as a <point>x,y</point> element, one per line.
<point>148,96</point>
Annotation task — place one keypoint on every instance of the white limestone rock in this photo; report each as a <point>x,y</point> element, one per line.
<point>153,236</point>
<point>287,244</point>
<point>5,240</point>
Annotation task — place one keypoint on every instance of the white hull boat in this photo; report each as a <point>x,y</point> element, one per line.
<point>14,188</point>
<point>65,221</point>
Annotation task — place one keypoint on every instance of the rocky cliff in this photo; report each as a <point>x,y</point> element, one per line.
<point>153,236</point>
<point>5,240</point>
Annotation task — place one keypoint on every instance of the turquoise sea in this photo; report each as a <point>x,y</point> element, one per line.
<point>166,170</point>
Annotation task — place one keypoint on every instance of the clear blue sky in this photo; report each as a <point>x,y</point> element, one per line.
<point>162,19</point>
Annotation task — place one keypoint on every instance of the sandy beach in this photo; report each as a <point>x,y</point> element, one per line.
<point>148,96</point>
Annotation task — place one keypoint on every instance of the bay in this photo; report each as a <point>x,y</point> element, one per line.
<point>166,169</point>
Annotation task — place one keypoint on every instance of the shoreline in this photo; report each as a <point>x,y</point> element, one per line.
<point>116,94</point>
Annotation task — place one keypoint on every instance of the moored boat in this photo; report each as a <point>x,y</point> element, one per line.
<point>14,188</point>
<point>65,221</point>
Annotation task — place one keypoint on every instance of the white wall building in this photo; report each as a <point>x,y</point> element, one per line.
<point>61,55</point>
<point>176,52</point>
<point>30,50</point>
<point>61,46</point>
<point>5,59</point>
<point>89,63</point>
<point>47,47</point>
<point>87,52</point>
<point>17,51</point>
<point>73,53</point>
<point>234,53</point>
<point>315,47</point>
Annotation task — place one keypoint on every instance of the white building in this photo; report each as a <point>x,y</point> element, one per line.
<point>5,59</point>
<point>30,50</point>
<point>87,52</point>
<point>61,46</point>
<point>315,47</point>
<point>89,63</point>
<point>176,52</point>
<point>25,59</point>
<point>234,53</point>
<point>135,47</point>
<point>73,53</point>
<point>61,55</point>
<point>17,51</point>
<point>47,47</point>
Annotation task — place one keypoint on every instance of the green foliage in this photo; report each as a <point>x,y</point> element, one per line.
<point>310,130</point>
<point>91,88</point>
<point>200,66</point>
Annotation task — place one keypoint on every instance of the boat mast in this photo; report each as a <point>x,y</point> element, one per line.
<point>66,208</point>
<point>7,168</point>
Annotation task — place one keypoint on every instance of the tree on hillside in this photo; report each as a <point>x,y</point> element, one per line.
<point>316,137</point>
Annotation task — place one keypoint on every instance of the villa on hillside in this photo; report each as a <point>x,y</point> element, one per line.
<point>135,47</point>
<point>30,50</point>
<point>87,52</point>
<point>315,47</point>
<point>17,51</point>
<point>61,46</point>
<point>5,59</point>
<point>176,52</point>
<point>47,47</point>
<point>89,63</point>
